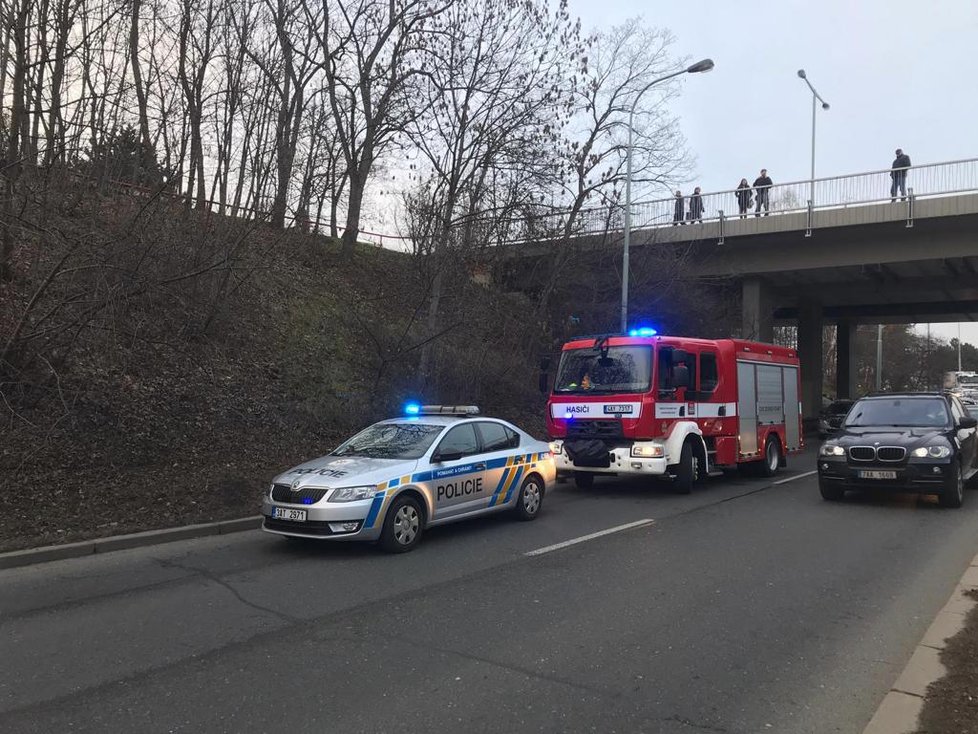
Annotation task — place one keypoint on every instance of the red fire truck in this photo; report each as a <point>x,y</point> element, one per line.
<point>673,407</point>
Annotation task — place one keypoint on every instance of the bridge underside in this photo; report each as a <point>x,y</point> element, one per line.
<point>884,273</point>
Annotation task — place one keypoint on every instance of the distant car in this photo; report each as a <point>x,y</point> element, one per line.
<point>831,417</point>
<point>391,481</point>
<point>907,442</point>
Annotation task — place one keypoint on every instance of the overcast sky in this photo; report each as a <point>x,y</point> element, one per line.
<point>897,73</point>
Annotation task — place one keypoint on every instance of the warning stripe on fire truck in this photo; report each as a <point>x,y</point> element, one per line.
<point>695,410</point>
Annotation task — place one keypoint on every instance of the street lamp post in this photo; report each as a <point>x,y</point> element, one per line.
<point>825,106</point>
<point>698,67</point>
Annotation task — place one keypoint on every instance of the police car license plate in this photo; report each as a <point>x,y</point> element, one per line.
<point>876,474</point>
<point>285,513</point>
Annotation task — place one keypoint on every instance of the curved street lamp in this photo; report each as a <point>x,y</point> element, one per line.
<point>697,68</point>
<point>825,106</point>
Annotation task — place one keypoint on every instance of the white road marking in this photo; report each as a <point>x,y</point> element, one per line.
<point>797,476</point>
<point>591,536</point>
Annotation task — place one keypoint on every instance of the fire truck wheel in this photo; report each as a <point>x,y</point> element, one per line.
<point>583,479</point>
<point>772,457</point>
<point>685,470</point>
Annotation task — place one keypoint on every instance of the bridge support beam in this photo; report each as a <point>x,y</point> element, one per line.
<point>757,304</point>
<point>810,355</point>
<point>845,359</point>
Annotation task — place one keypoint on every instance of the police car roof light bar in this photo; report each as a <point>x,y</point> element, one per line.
<point>449,410</point>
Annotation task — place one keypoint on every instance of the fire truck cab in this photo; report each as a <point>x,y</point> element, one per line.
<point>674,407</point>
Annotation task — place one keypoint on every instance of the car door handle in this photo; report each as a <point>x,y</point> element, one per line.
<point>480,467</point>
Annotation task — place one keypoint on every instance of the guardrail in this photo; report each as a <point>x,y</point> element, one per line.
<point>834,192</point>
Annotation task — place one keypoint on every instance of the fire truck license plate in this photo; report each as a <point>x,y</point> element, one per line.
<point>617,409</point>
<point>875,474</point>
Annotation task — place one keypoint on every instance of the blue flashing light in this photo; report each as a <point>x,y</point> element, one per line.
<point>307,500</point>
<point>643,331</point>
<point>568,415</point>
<point>412,409</point>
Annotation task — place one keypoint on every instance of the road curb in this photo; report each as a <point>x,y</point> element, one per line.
<point>901,707</point>
<point>47,553</point>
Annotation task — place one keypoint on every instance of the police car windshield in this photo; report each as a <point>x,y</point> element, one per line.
<point>612,370</point>
<point>900,412</point>
<point>400,441</point>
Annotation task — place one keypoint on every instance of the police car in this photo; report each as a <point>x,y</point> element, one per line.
<point>391,481</point>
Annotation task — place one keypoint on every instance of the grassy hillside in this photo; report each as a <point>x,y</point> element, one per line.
<point>176,361</point>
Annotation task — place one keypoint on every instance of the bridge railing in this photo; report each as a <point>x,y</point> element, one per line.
<point>835,192</point>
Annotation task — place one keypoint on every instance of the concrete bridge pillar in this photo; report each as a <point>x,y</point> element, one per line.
<point>757,303</point>
<point>810,354</point>
<point>845,359</point>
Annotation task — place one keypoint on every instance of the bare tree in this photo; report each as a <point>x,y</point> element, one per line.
<point>372,53</point>
<point>497,101</point>
<point>622,62</point>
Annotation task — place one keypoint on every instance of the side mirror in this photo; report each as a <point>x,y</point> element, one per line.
<point>968,422</point>
<point>441,458</point>
<point>680,376</point>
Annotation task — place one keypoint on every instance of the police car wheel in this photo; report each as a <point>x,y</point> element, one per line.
<point>530,499</point>
<point>402,526</point>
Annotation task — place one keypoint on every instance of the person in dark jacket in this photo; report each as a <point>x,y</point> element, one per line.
<point>899,175</point>
<point>696,206</point>
<point>762,187</point>
<point>679,212</point>
<point>744,198</point>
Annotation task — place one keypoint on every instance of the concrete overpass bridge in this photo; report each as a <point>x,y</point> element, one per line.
<point>831,251</point>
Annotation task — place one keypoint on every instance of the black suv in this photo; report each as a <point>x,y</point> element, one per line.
<point>906,442</point>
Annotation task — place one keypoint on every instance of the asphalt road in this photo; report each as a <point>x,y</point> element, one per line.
<point>744,607</point>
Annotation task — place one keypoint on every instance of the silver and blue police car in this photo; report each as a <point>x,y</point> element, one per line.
<point>435,465</point>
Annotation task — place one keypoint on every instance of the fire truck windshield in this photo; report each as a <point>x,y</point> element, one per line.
<point>612,370</point>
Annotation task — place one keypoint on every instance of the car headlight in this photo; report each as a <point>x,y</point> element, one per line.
<point>933,452</point>
<point>832,449</point>
<point>352,494</point>
<point>648,451</point>
<point>556,447</point>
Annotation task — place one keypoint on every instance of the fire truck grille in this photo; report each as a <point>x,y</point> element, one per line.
<point>604,430</point>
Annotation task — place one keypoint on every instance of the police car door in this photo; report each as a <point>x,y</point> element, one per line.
<point>458,473</point>
<point>500,446</point>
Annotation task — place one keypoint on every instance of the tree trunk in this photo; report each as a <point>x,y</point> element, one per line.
<point>18,121</point>
<point>358,182</point>
<point>137,78</point>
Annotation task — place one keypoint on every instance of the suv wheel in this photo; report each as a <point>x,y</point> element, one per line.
<point>953,494</point>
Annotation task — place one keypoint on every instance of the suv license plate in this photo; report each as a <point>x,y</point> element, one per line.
<point>871,474</point>
<point>285,513</point>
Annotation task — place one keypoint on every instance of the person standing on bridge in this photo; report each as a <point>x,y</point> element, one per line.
<point>679,212</point>
<point>744,198</point>
<point>762,187</point>
<point>696,206</point>
<point>899,175</point>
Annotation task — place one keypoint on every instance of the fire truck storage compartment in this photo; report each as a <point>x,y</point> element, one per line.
<point>767,395</point>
